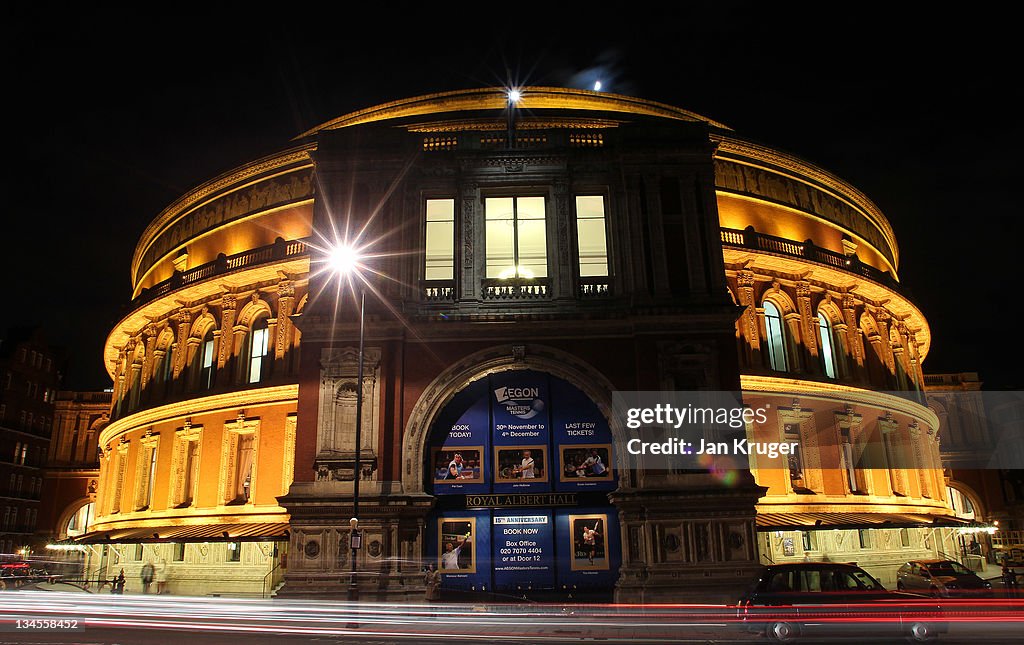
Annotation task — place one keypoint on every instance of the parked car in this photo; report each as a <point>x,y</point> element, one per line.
<point>941,579</point>
<point>823,599</point>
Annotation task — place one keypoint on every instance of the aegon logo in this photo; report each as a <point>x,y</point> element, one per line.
<point>506,393</point>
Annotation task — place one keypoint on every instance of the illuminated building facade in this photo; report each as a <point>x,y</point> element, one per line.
<point>29,379</point>
<point>522,262</point>
<point>71,477</point>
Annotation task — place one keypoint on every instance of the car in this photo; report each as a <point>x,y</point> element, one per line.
<point>941,579</point>
<point>825,599</point>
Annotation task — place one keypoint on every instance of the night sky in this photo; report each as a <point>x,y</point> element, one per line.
<point>113,117</point>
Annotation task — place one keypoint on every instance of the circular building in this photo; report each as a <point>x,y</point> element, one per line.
<point>510,265</point>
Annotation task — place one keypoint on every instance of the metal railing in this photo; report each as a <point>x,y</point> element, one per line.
<point>748,238</point>
<point>516,289</point>
<point>279,250</point>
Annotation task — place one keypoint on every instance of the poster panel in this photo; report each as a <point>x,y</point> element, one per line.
<point>519,413</point>
<point>588,546</point>
<point>459,544</point>
<point>523,550</point>
<point>460,442</point>
<point>582,441</point>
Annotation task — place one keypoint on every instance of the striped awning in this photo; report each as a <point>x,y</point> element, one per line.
<point>812,521</point>
<point>189,533</point>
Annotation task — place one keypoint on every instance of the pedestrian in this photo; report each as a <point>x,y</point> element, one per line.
<point>161,577</point>
<point>118,585</point>
<point>147,576</point>
<point>1009,579</point>
<point>432,581</point>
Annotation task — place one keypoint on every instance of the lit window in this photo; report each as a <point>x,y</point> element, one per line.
<point>234,551</point>
<point>206,364</point>
<point>828,355</point>
<point>439,252</point>
<point>854,478</point>
<point>243,474</point>
<point>864,535</point>
<point>179,552</point>
<point>795,461</point>
<point>591,236</point>
<point>258,350</point>
<point>776,337</point>
<point>810,543</point>
<point>191,472</point>
<point>147,477</point>
<point>516,237</point>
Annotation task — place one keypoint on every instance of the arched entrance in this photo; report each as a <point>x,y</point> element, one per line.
<point>520,462</point>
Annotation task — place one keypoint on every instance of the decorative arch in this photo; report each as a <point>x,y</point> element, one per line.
<point>69,511</point>
<point>781,299</point>
<point>872,336</point>
<point>202,324</point>
<point>972,495</point>
<point>254,309</point>
<point>501,358</point>
<point>163,350</point>
<point>868,326</point>
<point>828,307</point>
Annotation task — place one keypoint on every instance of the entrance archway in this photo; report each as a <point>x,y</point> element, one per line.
<point>520,461</point>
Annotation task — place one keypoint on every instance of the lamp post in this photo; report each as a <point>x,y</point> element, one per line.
<point>344,259</point>
<point>513,96</point>
<point>354,542</point>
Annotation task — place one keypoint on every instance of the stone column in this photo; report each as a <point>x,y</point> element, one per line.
<point>808,326</point>
<point>228,312</point>
<point>750,329</point>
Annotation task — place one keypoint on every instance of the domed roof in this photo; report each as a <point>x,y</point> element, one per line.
<point>533,98</point>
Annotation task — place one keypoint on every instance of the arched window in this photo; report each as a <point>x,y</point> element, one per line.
<point>775,336</point>
<point>206,362</point>
<point>259,343</point>
<point>827,345</point>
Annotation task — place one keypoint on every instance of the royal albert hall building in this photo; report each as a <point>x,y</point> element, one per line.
<point>520,262</point>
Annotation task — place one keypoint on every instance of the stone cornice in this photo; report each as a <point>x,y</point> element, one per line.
<point>837,393</point>
<point>244,398</point>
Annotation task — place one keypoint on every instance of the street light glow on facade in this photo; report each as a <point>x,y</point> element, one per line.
<point>343,259</point>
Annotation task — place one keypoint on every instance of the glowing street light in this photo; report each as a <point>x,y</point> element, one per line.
<point>514,96</point>
<point>343,259</point>
<point>597,86</point>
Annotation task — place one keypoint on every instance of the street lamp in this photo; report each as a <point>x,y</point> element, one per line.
<point>344,260</point>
